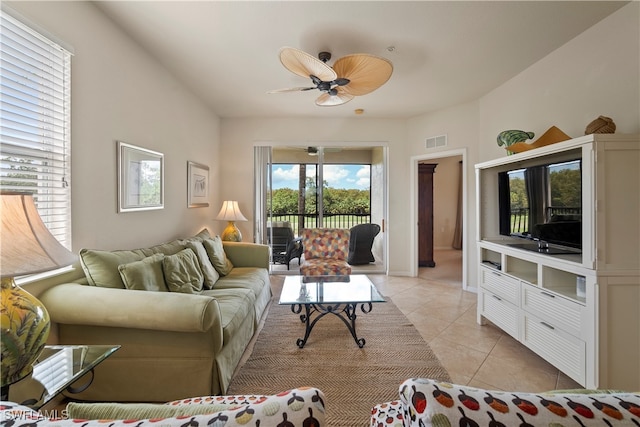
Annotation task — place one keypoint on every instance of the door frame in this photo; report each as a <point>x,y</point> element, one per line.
<point>413,268</point>
<point>384,269</point>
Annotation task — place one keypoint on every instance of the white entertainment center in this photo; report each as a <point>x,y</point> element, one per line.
<point>581,311</point>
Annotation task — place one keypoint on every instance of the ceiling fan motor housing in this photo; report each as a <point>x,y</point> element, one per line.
<point>324,56</point>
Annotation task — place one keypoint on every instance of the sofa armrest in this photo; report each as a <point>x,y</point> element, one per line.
<point>76,304</point>
<point>243,254</point>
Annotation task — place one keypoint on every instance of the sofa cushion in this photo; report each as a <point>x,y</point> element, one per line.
<point>175,246</point>
<point>101,267</point>
<point>138,411</point>
<point>325,267</point>
<point>235,306</point>
<point>434,403</point>
<point>245,278</point>
<point>218,257</point>
<point>182,272</point>
<point>144,275</point>
<point>211,276</point>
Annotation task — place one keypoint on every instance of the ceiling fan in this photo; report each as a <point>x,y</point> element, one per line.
<point>313,151</point>
<point>351,76</point>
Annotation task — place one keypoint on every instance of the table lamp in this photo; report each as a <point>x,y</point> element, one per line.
<point>231,212</point>
<point>26,247</point>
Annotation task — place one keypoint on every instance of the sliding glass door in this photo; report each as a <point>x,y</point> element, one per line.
<point>329,187</point>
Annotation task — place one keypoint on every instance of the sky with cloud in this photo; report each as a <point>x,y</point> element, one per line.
<point>337,176</point>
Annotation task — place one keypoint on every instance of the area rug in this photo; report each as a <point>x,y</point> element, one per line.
<point>353,379</point>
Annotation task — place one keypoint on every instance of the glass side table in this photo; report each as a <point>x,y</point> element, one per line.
<point>56,370</point>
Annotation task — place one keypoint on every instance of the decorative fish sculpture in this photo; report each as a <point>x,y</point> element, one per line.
<point>510,137</point>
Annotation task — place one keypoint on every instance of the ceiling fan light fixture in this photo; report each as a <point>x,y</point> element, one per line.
<point>327,100</point>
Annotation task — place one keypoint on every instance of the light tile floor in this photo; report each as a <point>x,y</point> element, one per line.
<point>479,356</point>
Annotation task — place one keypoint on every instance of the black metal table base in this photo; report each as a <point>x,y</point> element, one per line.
<point>345,312</point>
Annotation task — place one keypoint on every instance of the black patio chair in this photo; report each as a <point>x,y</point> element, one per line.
<point>361,242</point>
<point>284,245</point>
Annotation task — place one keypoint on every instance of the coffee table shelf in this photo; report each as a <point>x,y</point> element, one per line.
<point>57,369</point>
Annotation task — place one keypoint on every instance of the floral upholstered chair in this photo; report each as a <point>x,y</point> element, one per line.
<point>424,402</point>
<point>300,407</point>
<point>325,252</point>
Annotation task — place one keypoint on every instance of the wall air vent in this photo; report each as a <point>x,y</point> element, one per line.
<point>436,141</point>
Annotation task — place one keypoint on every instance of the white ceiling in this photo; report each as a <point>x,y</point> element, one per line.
<point>445,52</point>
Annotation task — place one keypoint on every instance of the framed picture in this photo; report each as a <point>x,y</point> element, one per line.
<point>197,185</point>
<point>140,178</point>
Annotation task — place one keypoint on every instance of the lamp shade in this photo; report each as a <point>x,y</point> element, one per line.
<point>230,212</point>
<point>26,247</point>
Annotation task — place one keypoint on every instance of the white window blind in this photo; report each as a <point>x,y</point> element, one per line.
<point>35,144</point>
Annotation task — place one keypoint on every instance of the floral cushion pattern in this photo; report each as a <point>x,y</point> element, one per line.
<point>440,404</point>
<point>325,252</point>
<point>389,414</point>
<point>325,243</point>
<point>301,407</point>
<point>325,267</point>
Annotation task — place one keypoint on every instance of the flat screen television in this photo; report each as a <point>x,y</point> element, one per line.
<point>543,203</point>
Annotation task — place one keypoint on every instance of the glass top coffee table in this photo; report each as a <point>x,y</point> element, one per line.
<point>57,369</point>
<point>322,295</point>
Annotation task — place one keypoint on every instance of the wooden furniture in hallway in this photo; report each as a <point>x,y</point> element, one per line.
<point>425,214</point>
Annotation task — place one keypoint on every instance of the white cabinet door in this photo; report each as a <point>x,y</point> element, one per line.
<point>559,348</point>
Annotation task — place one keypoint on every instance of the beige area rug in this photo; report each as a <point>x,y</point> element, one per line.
<point>352,379</point>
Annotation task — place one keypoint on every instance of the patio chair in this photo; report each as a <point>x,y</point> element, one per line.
<point>284,245</point>
<point>325,252</point>
<point>361,242</point>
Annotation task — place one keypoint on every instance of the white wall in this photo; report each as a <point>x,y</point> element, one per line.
<point>460,124</point>
<point>119,92</point>
<point>445,208</point>
<point>596,73</point>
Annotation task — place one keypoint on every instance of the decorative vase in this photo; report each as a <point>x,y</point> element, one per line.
<point>507,138</point>
<point>25,329</point>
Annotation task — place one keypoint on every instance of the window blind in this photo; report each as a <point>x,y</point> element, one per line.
<point>35,101</point>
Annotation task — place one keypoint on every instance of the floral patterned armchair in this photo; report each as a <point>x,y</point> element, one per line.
<point>424,402</point>
<point>300,407</point>
<point>325,252</point>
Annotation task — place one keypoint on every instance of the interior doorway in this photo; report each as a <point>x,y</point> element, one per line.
<point>448,232</point>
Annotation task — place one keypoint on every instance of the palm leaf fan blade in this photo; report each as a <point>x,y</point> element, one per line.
<point>305,65</point>
<point>365,72</point>
<point>326,100</point>
<point>292,89</point>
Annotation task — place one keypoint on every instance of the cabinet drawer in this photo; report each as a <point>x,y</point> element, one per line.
<point>558,312</point>
<point>564,351</point>
<point>500,284</point>
<point>501,312</point>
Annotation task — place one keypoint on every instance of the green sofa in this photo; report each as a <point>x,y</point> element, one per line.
<point>176,341</point>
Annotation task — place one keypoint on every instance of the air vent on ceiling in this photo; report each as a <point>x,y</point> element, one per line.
<point>436,141</point>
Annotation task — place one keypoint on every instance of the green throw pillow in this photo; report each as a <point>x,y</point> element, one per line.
<point>182,272</point>
<point>138,411</point>
<point>101,267</point>
<point>218,257</point>
<point>144,275</point>
<point>211,276</point>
